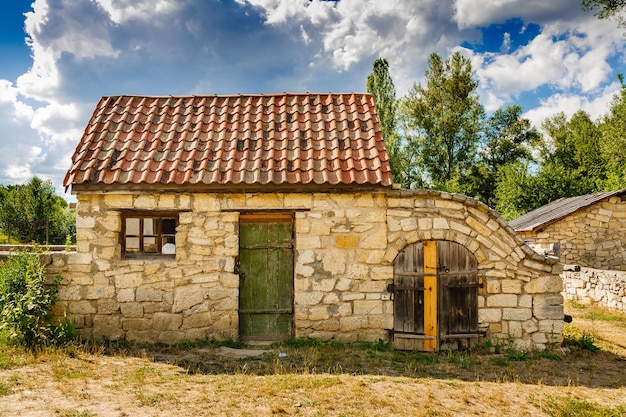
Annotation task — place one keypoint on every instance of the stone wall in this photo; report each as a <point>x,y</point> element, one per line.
<point>594,237</point>
<point>596,286</point>
<point>521,298</point>
<point>345,247</point>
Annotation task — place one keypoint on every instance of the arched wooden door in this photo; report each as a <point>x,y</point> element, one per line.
<point>435,294</point>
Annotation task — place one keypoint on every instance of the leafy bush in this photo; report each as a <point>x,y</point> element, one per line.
<point>26,299</point>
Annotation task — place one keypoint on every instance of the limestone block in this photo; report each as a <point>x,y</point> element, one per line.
<point>334,262</point>
<point>376,239</point>
<point>142,336</point>
<point>324,285</point>
<point>308,298</point>
<point>131,310</point>
<point>378,287</point>
<point>85,222</point>
<point>450,205</point>
<point>408,224</point>
<point>440,223</point>
<point>511,286</point>
<point>308,242</point>
<point>107,326</point>
<point>526,301</point>
<point>350,296</point>
<point>518,314</point>
<point>293,200</point>
<point>148,293</point>
<point>381,273</point>
<point>367,307</point>
<point>304,270</point>
<point>489,315</point>
<point>203,203</point>
<point>197,320</point>
<point>384,321</point>
<point>118,200</point>
<point>143,201</point>
<point>82,307</point>
<point>372,257</point>
<point>548,306</point>
<point>318,313</point>
<point>544,284</point>
<point>343,284</point>
<point>167,201</point>
<point>502,300</point>
<point>166,321</point>
<point>128,280</point>
<point>515,329</point>
<point>530,326</point>
<point>331,299</point>
<point>345,241</point>
<point>274,201</point>
<point>187,297</point>
<point>494,286</point>
<point>479,227</point>
<point>400,202</point>
<point>348,324</point>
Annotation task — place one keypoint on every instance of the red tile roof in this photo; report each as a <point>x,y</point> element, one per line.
<point>282,139</point>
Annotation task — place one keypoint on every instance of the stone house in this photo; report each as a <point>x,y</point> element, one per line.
<point>588,230</point>
<point>265,217</point>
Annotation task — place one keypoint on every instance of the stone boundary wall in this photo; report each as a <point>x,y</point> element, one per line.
<point>593,237</point>
<point>596,286</point>
<point>345,246</point>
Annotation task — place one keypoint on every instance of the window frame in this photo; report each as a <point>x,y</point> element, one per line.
<point>158,235</point>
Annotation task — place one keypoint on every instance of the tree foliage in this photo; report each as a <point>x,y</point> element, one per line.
<point>605,9</point>
<point>26,300</point>
<point>35,213</point>
<point>443,120</point>
<point>508,139</point>
<point>380,85</point>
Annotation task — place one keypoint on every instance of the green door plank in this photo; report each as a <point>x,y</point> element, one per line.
<point>266,278</point>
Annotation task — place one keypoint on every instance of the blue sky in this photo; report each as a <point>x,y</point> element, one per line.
<point>58,57</point>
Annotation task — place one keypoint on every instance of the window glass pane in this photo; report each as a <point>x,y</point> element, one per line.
<point>168,226</point>
<point>149,226</point>
<point>132,227</point>
<point>149,245</point>
<point>132,244</point>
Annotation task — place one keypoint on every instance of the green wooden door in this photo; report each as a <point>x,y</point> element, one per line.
<point>265,277</point>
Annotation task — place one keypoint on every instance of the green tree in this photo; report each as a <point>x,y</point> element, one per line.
<point>575,145</point>
<point>380,86</point>
<point>35,212</point>
<point>613,128</point>
<point>508,139</point>
<point>605,9</point>
<point>443,119</point>
<point>519,190</point>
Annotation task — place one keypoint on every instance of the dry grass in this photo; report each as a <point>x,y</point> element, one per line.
<point>321,380</point>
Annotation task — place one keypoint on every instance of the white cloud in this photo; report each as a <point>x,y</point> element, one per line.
<point>565,57</point>
<point>596,106</point>
<point>470,13</point>
<point>122,11</point>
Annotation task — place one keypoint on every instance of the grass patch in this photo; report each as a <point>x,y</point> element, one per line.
<point>74,413</point>
<point>561,406</point>
<point>602,314</point>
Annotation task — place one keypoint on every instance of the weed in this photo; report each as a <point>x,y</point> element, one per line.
<point>146,400</point>
<point>25,299</point>
<point>570,407</point>
<point>74,413</point>
<point>550,355</point>
<point>517,355</point>
<point>5,389</point>
<point>586,341</point>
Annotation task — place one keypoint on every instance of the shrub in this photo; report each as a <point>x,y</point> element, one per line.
<point>26,299</point>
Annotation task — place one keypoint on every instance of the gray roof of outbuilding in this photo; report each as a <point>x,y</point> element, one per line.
<point>558,209</point>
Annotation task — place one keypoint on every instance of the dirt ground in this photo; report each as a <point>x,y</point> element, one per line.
<point>326,380</point>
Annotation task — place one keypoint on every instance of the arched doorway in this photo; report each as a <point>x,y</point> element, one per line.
<point>435,294</point>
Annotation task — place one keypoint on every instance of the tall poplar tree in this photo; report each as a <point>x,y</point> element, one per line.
<point>380,85</point>
<point>444,121</point>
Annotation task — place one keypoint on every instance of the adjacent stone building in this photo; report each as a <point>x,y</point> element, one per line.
<point>265,217</point>
<point>588,230</point>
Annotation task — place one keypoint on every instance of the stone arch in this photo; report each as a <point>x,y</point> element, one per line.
<point>521,294</point>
